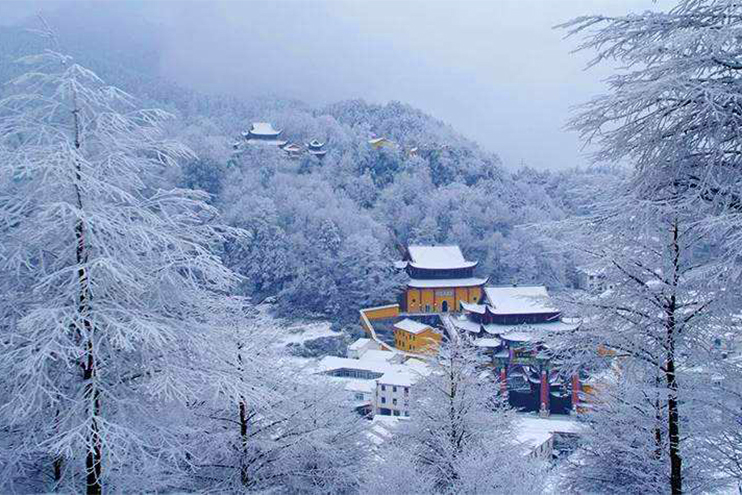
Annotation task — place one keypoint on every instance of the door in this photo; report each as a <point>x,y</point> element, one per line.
<point>444,306</point>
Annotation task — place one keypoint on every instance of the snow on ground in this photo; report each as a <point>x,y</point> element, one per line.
<point>293,331</point>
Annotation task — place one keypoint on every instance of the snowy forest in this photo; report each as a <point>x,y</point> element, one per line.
<point>185,311</point>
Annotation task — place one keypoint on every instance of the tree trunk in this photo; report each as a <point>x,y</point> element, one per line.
<point>673,416</point>
<point>244,474</point>
<point>94,456</point>
<point>658,418</point>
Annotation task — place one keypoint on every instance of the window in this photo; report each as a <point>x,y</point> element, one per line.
<point>383,387</point>
<point>383,400</point>
<point>394,402</point>
<point>396,413</point>
<point>359,396</point>
<point>394,389</point>
<point>406,390</point>
<point>407,414</point>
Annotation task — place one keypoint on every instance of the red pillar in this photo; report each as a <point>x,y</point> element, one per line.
<point>575,391</point>
<point>544,411</point>
<point>504,381</point>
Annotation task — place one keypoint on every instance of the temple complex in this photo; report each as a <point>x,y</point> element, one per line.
<point>263,133</point>
<point>510,325</point>
<point>440,280</point>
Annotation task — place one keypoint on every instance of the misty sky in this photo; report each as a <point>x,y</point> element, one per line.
<point>495,70</point>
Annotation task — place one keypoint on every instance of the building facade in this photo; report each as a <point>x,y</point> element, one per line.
<point>440,280</point>
<point>416,337</point>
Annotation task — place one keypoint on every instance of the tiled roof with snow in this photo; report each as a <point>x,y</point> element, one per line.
<point>474,308</point>
<point>490,342</point>
<point>519,300</point>
<point>466,324</point>
<point>264,129</point>
<point>438,257</point>
<point>411,326</point>
<point>537,329</point>
<point>445,282</point>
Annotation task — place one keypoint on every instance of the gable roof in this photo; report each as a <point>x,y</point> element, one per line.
<point>412,326</point>
<point>519,300</point>
<point>438,257</point>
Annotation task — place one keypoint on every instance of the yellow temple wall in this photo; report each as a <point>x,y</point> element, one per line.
<point>417,299</point>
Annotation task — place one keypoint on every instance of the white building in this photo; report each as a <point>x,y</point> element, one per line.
<point>593,279</point>
<point>379,381</point>
<point>357,348</point>
<point>393,394</point>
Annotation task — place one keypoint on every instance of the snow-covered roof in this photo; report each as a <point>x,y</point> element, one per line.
<point>399,379</point>
<point>264,129</point>
<point>537,329</point>
<point>412,326</point>
<point>466,324</point>
<point>377,140</point>
<point>446,282</point>
<point>315,144</point>
<point>520,336</point>
<point>438,258</point>
<point>292,147</point>
<point>519,300</point>
<point>360,344</point>
<point>379,355</point>
<point>373,364</point>
<point>490,342</point>
<point>331,363</point>
<point>400,265</point>
<point>474,308</point>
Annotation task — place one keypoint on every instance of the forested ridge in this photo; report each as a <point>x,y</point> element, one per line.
<point>325,232</point>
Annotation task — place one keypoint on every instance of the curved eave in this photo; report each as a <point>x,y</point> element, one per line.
<point>445,283</point>
<point>468,264</point>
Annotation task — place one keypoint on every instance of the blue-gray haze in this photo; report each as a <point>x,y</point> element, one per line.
<point>495,70</point>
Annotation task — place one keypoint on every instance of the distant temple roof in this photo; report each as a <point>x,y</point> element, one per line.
<point>519,300</point>
<point>292,148</point>
<point>315,144</point>
<point>438,258</point>
<point>264,129</point>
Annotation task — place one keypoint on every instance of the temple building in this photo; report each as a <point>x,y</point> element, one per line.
<point>441,280</point>
<point>413,336</point>
<point>510,325</point>
<point>263,133</point>
<point>316,148</point>
<point>293,150</point>
<point>381,142</point>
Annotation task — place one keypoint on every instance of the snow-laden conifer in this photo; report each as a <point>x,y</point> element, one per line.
<point>109,283</point>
